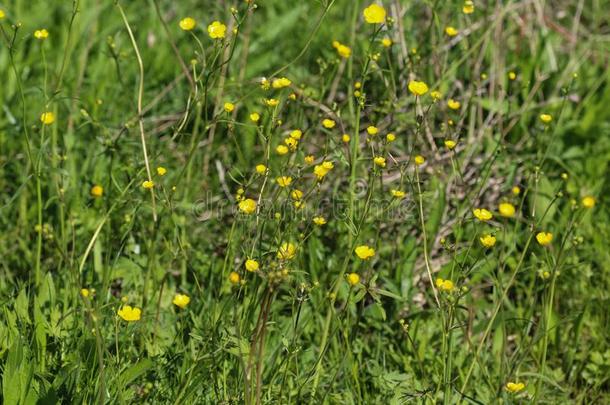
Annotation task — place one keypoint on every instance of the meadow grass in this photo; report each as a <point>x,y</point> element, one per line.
<point>307,201</point>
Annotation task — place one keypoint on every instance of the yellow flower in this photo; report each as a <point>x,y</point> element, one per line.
<point>287,251</point>
<point>187,23</point>
<point>291,143</point>
<point>281,83</point>
<point>379,161</point>
<point>254,117</point>
<point>450,31</point>
<point>436,95</point>
<point>453,104</point>
<point>419,160</point>
<point>353,279</point>
<point>488,240</point>
<point>148,184</point>
<point>229,107</point>
<point>390,137</point>
<point>450,144</point>
<point>444,285</point>
<point>506,210</point>
<point>387,42</point>
<point>364,252</point>
<point>41,34</point>
<point>588,201</point>
<point>271,102</point>
<point>234,278</point>
<point>2,14</point>
<point>345,138</point>
<point>161,171</point>
<point>296,134</point>
<point>296,194</point>
<point>328,123</point>
<point>343,50</point>
<point>482,214</point>
<point>319,221</point>
<point>514,388</point>
<point>544,238</point>
<point>418,88</point>
<point>47,118</point>
<point>84,292</point>
<point>252,265</point>
<point>546,118</point>
<point>397,193</point>
<point>283,181</point>
<point>322,170</point>
<point>309,159</point>
<point>129,314</point>
<point>374,14</point>
<point>97,191</point>
<point>261,169</point>
<point>512,75</point>
<point>217,30</point>
<point>247,206</point>
<point>281,149</point>
<point>371,130</point>
<point>516,190</point>
<point>468,7</point>
<point>181,300</point>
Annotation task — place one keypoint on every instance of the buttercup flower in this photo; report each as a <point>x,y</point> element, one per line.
<point>281,83</point>
<point>247,206</point>
<point>161,171</point>
<point>546,118</point>
<point>148,184</point>
<point>488,240</point>
<point>41,34</point>
<point>419,160</point>
<point>506,210</point>
<point>234,278</point>
<point>187,23</point>
<point>512,75</point>
<point>97,191</point>
<point>296,134</point>
<point>281,149</point>
<point>229,107</point>
<point>544,238</point>
<point>271,102</point>
<point>418,88</point>
<point>390,137</point>
<point>343,50</point>
<point>450,144</point>
<point>374,14</point>
<point>353,279</point>
<point>254,117</point>
<point>453,104</point>
<point>217,30</point>
<point>436,95</point>
<point>287,251</point>
<point>450,31</point>
<point>284,181</point>
<point>181,300</point>
<point>588,201</point>
<point>387,42</point>
<point>309,159</point>
<point>444,285</point>
<point>319,221</point>
<point>261,169</point>
<point>328,123</point>
<point>468,7</point>
<point>516,190</point>
<point>372,130</point>
<point>322,170</point>
<point>47,118</point>
<point>397,193</point>
<point>364,252</point>
<point>514,388</point>
<point>129,314</point>
<point>296,194</point>
<point>482,214</point>
<point>379,161</point>
<point>84,292</point>
<point>252,265</point>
